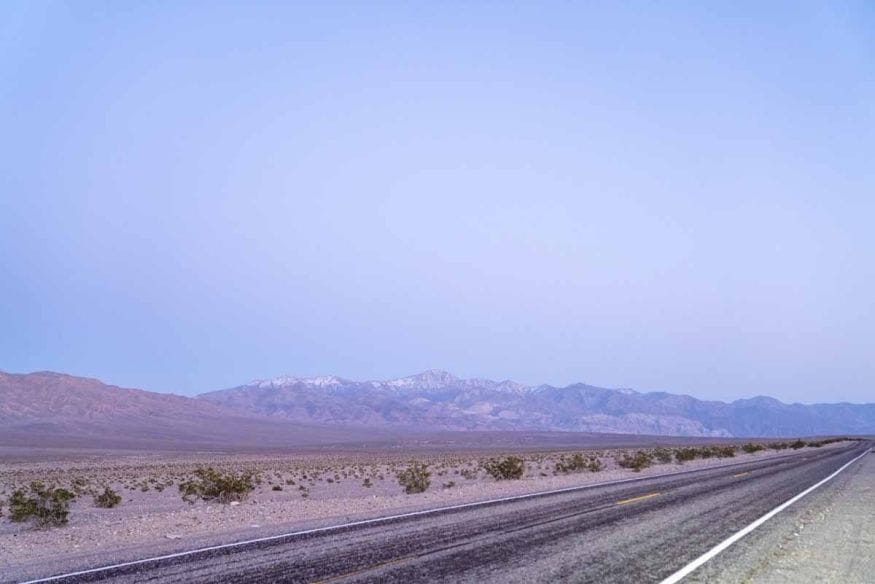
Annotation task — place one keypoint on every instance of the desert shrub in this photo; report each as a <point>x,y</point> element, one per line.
<point>276,488</point>
<point>367,483</point>
<point>570,464</point>
<point>449,484</point>
<point>683,455</point>
<point>779,445</point>
<point>416,478</point>
<point>638,461</point>
<point>42,505</point>
<point>825,441</point>
<point>750,447</point>
<point>798,444</point>
<point>212,485</point>
<point>107,499</point>
<point>507,468</point>
<point>578,463</point>
<point>662,455</point>
<point>723,451</point>
<point>470,473</point>
<point>79,486</point>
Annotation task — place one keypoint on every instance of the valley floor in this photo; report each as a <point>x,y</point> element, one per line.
<point>295,492</point>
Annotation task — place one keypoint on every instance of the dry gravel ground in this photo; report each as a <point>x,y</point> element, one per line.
<point>827,538</point>
<point>153,519</point>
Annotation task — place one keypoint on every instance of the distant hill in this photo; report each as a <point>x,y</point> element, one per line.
<point>48,409</point>
<point>438,400</point>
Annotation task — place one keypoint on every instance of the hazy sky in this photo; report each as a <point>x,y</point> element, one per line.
<point>665,196</point>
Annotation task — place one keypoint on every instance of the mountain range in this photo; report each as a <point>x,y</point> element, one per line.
<point>54,409</point>
<point>438,400</point>
<point>47,409</point>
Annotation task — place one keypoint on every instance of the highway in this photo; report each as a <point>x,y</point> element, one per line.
<point>643,530</point>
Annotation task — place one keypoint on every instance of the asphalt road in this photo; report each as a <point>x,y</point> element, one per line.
<point>639,531</point>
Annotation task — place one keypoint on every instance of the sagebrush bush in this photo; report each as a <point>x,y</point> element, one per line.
<point>107,499</point>
<point>507,468</point>
<point>638,461</point>
<point>212,485</point>
<point>470,473</point>
<point>723,451</point>
<point>750,447</point>
<point>578,463</point>
<point>690,453</point>
<point>798,444</point>
<point>662,455</point>
<point>79,486</point>
<point>683,455</point>
<point>44,506</point>
<point>416,478</point>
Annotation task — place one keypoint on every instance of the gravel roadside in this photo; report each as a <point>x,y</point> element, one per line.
<point>827,537</point>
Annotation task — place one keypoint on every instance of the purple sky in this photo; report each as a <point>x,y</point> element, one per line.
<point>661,196</point>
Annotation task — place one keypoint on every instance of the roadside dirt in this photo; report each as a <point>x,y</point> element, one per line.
<point>828,537</point>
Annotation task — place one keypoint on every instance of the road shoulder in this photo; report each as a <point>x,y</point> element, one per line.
<point>828,537</point>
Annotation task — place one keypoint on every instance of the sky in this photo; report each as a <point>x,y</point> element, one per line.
<point>664,196</point>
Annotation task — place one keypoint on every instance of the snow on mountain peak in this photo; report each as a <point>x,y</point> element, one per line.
<point>431,379</point>
<point>286,380</point>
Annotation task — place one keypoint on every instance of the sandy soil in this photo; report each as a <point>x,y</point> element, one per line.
<point>315,490</point>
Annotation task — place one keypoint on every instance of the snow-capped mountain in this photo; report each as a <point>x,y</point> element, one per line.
<point>436,399</point>
<point>51,409</point>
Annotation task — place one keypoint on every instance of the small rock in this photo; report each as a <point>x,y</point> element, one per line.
<point>234,503</point>
<point>173,536</point>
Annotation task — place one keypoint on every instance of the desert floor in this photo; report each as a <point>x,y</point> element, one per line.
<point>292,491</point>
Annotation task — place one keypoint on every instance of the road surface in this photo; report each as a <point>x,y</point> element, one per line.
<point>633,531</point>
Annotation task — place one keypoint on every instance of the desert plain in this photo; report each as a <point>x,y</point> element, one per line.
<point>293,491</point>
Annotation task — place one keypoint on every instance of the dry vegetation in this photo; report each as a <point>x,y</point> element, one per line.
<point>136,500</point>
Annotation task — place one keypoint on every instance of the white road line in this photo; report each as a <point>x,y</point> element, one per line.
<point>698,562</point>
<point>378,520</point>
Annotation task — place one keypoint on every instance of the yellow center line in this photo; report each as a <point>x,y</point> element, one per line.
<point>641,498</point>
<point>741,474</point>
<point>362,570</point>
